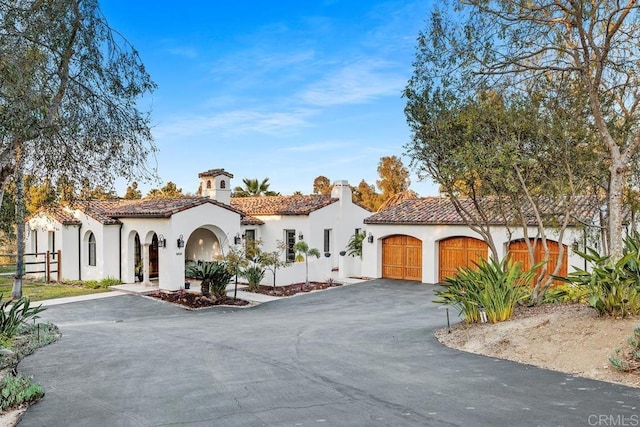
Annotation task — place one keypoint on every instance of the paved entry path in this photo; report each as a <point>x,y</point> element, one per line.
<point>360,355</point>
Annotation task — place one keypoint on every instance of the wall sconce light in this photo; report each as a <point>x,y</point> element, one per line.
<point>180,242</point>
<point>237,240</point>
<point>162,242</point>
<point>575,246</point>
<point>300,236</point>
<point>370,238</point>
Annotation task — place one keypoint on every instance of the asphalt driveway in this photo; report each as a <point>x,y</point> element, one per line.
<point>361,355</point>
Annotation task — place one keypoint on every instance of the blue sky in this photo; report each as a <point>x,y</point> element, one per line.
<point>287,90</point>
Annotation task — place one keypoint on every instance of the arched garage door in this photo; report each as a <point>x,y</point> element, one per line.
<point>518,252</point>
<point>402,258</point>
<point>456,252</point>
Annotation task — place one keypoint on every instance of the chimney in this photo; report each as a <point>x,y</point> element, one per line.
<point>216,185</point>
<point>341,190</point>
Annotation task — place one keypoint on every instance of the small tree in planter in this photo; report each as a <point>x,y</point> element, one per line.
<point>354,245</point>
<point>272,261</point>
<point>302,249</point>
<point>236,260</point>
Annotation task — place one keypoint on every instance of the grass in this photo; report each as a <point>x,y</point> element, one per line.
<point>38,291</point>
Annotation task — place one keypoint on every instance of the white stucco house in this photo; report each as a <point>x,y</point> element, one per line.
<point>426,240</point>
<point>115,238</point>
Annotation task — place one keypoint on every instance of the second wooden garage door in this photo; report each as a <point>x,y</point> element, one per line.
<point>402,258</point>
<point>460,252</point>
<point>518,251</point>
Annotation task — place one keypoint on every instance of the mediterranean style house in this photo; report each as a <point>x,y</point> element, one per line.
<point>426,240</point>
<point>160,237</point>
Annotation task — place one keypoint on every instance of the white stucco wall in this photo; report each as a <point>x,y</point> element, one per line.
<point>430,235</point>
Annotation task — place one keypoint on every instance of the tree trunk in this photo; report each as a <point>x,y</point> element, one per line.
<point>615,209</point>
<point>16,292</point>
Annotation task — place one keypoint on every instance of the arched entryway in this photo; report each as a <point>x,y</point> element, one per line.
<point>518,251</point>
<point>459,252</point>
<point>402,258</point>
<point>202,245</point>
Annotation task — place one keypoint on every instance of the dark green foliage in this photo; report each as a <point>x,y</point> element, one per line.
<point>613,287</point>
<point>254,275</point>
<point>354,245</point>
<point>496,286</point>
<point>215,277</point>
<point>13,314</point>
<point>16,390</point>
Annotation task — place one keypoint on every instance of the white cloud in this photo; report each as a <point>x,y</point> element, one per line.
<point>185,51</point>
<point>235,123</point>
<point>319,146</point>
<point>355,83</point>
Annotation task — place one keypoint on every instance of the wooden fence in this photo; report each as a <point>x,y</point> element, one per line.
<point>46,263</point>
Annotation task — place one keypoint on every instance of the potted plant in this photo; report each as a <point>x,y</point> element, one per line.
<point>139,272</point>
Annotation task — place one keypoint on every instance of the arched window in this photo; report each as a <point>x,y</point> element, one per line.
<point>92,249</point>
<point>208,184</point>
<point>223,184</point>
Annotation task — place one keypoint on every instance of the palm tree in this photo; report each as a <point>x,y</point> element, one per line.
<point>301,248</point>
<point>254,188</point>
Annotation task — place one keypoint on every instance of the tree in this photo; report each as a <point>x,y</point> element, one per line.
<point>366,194</point>
<point>253,188</point>
<point>274,260</point>
<point>98,192</point>
<point>169,190</point>
<point>394,177</point>
<point>322,185</point>
<point>235,260</point>
<point>302,248</point>
<point>581,51</point>
<point>68,91</point>
<point>132,192</point>
<point>38,195</point>
<point>65,189</point>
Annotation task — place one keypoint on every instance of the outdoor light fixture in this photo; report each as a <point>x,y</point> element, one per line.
<point>370,238</point>
<point>180,242</point>
<point>237,240</point>
<point>300,236</point>
<point>162,242</point>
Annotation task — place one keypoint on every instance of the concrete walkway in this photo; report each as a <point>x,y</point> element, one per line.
<point>360,355</point>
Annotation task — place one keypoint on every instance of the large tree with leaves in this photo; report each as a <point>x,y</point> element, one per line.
<point>579,50</point>
<point>69,92</point>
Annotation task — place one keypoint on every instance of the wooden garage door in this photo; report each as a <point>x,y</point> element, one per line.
<point>518,252</point>
<point>402,258</point>
<point>459,252</point>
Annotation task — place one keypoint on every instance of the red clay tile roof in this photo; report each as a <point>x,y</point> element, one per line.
<point>281,205</point>
<point>251,220</point>
<point>59,214</point>
<point>441,211</point>
<point>214,172</point>
<point>108,211</point>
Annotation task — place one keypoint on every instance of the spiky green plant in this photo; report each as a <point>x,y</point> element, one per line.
<point>254,275</point>
<point>215,277</point>
<point>495,286</point>
<point>613,286</point>
<point>15,313</point>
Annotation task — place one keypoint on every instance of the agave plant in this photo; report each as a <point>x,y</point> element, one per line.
<point>214,275</point>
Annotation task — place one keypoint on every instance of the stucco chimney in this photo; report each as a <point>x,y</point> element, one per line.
<point>216,184</point>
<point>341,190</point>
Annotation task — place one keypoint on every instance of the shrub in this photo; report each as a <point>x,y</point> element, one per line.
<point>12,318</point>
<point>566,293</point>
<point>30,338</point>
<point>497,287</point>
<point>631,361</point>
<point>354,245</point>
<point>214,275</point>
<point>254,275</point>
<point>17,390</point>
<point>613,288</point>
<point>109,281</point>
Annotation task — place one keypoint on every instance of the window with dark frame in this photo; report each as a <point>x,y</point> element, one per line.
<point>290,240</point>
<point>92,249</point>
<point>327,240</point>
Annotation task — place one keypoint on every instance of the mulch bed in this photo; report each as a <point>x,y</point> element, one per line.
<point>192,300</point>
<point>289,290</point>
